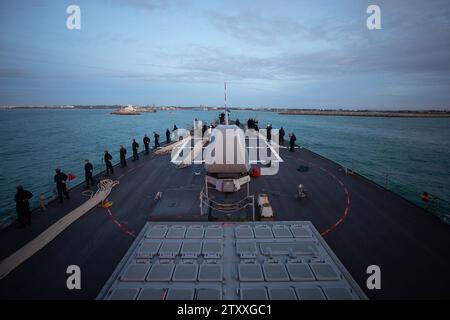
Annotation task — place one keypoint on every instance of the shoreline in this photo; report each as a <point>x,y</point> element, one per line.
<point>380,114</point>
<point>281,111</point>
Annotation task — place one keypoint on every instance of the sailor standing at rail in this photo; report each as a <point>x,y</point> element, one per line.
<point>61,187</point>
<point>135,147</point>
<point>292,140</point>
<point>22,197</point>
<point>175,135</point>
<point>282,133</point>
<point>108,157</point>
<point>146,141</point>
<point>269,132</point>
<point>168,135</point>
<point>156,139</point>
<point>123,156</point>
<point>88,168</point>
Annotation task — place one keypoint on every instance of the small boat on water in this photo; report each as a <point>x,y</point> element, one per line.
<point>126,111</point>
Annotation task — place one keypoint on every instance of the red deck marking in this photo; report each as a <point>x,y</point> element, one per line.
<point>347,199</point>
<point>347,206</point>
<point>118,224</point>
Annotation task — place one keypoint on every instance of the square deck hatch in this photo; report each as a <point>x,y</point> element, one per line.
<point>245,247</point>
<point>244,232</point>
<point>185,272</point>
<point>300,272</point>
<point>152,294</point>
<point>176,232</point>
<point>180,294</point>
<point>254,294</point>
<point>209,294</point>
<point>250,272</point>
<point>149,249</point>
<point>300,231</point>
<point>263,231</point>
<point>124,294</point>
<point>281,231</point>
<point>338,294</point>
<point>212,248</point>
<point>169,248</point>
<point>282,294</point>
<point>161,272</point>
<point>313,293</point>
<point>324,271</point>
<point>135,272</point>
<point>210,272</point>
<point>191,248</point>
<point>195,232</point>
<point>158,231</point>
<point>275,272</point>
<point>214,232</point>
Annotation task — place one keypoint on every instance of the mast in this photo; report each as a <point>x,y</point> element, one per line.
<point>225,102</point>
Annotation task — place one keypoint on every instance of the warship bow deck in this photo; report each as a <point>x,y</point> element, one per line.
<point>360,221</point>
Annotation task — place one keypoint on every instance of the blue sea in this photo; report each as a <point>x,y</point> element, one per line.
<point>410,155</point>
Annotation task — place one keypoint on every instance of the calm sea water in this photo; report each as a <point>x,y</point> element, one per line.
<point>414,154</point>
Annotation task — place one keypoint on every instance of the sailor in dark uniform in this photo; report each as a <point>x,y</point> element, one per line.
<point>135,147</point>
<point>292,142</point>
<point>269,132</point>
<point>282,133</point>
<point>108,157</point>
<point>22,198</point>
<point>123,156</point>
<point>88,175</point>
<point>146,141</point>
<point>156,140</point>
<point>168,135</point>
<point>175,133</point>
<point>60,180</point>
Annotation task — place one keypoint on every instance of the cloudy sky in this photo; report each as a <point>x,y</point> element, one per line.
<point>273,53</point>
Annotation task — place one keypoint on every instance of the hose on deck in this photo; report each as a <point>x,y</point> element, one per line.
<point>13,261</point>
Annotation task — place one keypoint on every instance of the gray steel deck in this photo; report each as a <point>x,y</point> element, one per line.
<point>381,228</point>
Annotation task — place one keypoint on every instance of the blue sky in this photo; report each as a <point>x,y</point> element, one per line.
<point>273,53</point>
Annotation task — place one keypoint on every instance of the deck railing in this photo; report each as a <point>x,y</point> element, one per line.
<point>227,207</point>
<point>386,178</point>
<point>438,207</point>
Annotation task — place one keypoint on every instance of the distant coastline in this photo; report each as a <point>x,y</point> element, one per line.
<point>282,111</point>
